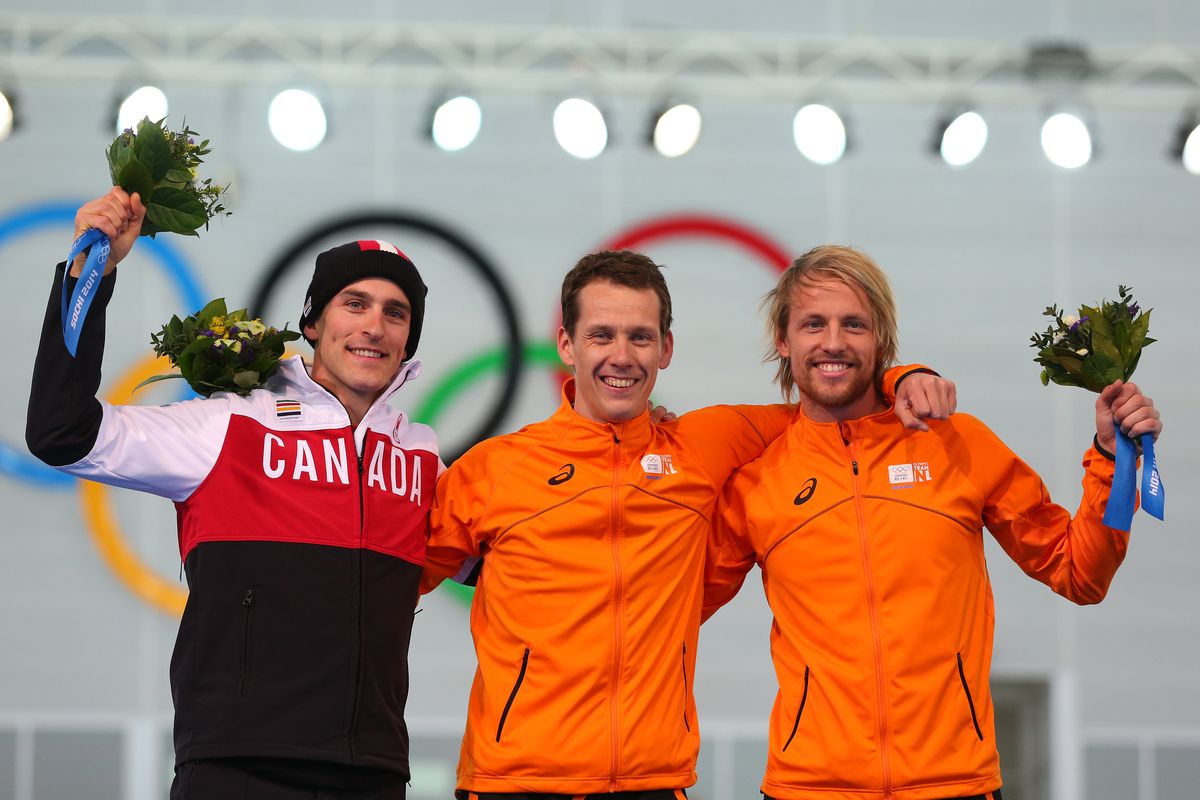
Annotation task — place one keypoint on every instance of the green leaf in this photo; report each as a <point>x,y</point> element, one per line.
<point>1099,371</point>
<point>246,378</point>
<point>177,177</point>
<point>153,150</point>
<point>136,178</point>
<point>119,154</point>
<point>1122,338</point>
<point>176,211</point>
<point>156,379</point>
<point>1102,342</point>
<point>214,308</point>
<point>1140,327</point>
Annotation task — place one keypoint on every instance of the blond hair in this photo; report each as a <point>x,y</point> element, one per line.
<point>838,263</point>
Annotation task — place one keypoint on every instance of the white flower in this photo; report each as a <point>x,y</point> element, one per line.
<point>1082,351</point>
<point>1070,319</point>
<point>1058,337</point>
<point>252,326</point>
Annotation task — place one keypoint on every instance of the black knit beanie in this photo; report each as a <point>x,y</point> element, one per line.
<point>343,265</point>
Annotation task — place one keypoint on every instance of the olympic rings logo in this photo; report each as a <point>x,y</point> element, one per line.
<point>510,358</point>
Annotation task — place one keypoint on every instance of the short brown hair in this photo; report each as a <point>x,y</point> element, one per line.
<point>622,267</point>
<point>838,263</point>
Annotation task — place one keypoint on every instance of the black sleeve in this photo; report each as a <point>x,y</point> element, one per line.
<point>64,414</point>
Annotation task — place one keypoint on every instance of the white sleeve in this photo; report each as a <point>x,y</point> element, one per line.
<point>164,450</point>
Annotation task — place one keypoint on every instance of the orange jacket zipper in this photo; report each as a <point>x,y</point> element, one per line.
<point>618,590</point>
<point>873,608</point>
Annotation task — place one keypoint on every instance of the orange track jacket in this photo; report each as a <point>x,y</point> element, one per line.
<point>870,541</point>
<point>587,610</point>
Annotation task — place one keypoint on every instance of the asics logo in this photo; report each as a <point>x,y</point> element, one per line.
<point>806,492</point>
<point>568,472</point>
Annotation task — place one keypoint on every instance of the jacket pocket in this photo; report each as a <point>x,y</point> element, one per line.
<point>686,693</point>
<point>247,627</point>
<point>962,676</point>
<point>513,694</point>
<point>799,712</point>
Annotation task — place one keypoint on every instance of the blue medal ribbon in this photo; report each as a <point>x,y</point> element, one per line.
<point>1118,513</point>
<point>74,311</point>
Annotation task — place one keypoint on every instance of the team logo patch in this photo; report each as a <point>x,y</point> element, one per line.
<point>905,476</point>
<point>657,466</point>
<point>288,409</point>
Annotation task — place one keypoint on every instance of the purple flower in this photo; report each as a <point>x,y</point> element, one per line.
<point>191,140</point>
<point>1133,310</point>
<point>1075,325</point>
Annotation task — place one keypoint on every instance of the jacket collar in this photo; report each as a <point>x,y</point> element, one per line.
<point>583,434</point>
<point>870,426</point>
<point>296,371</point>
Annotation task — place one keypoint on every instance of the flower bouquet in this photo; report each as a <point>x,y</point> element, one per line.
<point>216,350</point>
<point>161,166</point>
<point>1100,345</point>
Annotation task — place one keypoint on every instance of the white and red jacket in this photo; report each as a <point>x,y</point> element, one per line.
<point>302,537</point>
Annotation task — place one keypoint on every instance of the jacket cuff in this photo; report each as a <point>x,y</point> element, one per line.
<point>1101,450</point>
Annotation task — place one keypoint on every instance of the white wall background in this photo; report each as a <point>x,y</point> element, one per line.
<point>975,254</point>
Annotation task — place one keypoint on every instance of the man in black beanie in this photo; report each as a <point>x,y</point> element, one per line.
<point>302,511</point>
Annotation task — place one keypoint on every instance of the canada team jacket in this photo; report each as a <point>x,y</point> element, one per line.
<point>301,536</point>
<point>587,609</point>
<point>871,546</point>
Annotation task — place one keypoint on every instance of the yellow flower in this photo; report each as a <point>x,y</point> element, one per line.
<point>217,325</point>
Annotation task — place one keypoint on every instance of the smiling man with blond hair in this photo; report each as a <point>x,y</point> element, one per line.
<point>870,540</point>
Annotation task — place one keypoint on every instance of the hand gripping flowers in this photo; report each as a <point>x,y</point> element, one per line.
<point>160,166</point>
<point>1097,347</point>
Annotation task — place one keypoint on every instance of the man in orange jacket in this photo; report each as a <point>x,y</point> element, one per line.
<point>594,524</point>
<point>870,541</point>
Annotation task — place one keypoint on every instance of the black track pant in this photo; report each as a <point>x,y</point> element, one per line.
<point>229,780</point>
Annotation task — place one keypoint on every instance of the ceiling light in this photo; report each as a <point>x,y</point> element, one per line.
<point>7,115</point>
<point>456,123</point>
<point>1066,140</point>
<point>675,129</point>
<point>1187,143</point>
<point>962,138</point>
<point>147,102</point>
<point>579,128</point>
<point>297,120</point>
<point>820,133</point>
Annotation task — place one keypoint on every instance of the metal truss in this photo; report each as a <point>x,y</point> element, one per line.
<point>553,59</point>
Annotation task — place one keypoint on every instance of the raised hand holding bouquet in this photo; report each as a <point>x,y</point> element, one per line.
<point>1100,345</point>
<point>160,166</point>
